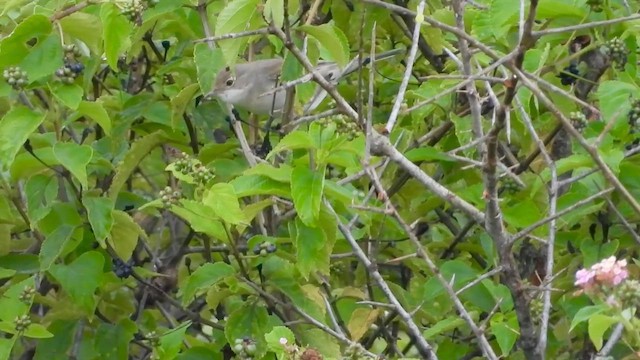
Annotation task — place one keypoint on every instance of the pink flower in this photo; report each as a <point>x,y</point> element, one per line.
<point>584,278</point>
<point>608,272</point>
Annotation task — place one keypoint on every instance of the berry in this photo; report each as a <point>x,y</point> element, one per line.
<point>22,323</point>
<point>510,186</point>
<point>16,77</point>
<point>567,75</point>
<point>76,67</point>
<point>617,52</point>
<point>578,120</point>
<point>187,165</point>
<point>633,115</point>
<point>121,269</point>
<point>169,197</point>
<point>27,294</point>
<point>69,72</point>
<point>271,248</point>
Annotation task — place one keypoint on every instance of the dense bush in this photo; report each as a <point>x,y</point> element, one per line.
<point>473,196</point>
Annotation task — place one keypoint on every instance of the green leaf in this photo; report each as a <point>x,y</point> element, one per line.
<point>15,128</point>
<point>248,185</point>
<point>54,244</point>
<point>598,325</point>
<point>251,320</point>
<point>180,102</point>
<point>85,27</point>
<point>171,341</point>
<point>205,276</point>
<point>9,5</point>
<point>331,39</point>
<point>136,153</point>
<point>615,99</point>
<point>221,198</point>
<point>116,34</point>
<point>6,273</point>
<point>208,63</point>
<point>75,158</point>
<point>37,331</point>
<point>443,326</point>
<point>306,190</point>
<point>124,234</point>
<point>281,173</point>
<point>199,353</point>
<point>99,214</point>
<point>69,94</point>
<point>506,332</point>
<point>41,191</point>
<point>309,243</point>
<point>522,214</point>
<point>112,341</point>
<point>81,278</point>
<point>96,111</point>
<point>200,219</point>
<point>585,313</point>
<point>5,347</point>
<point>273,340</point>
<point>459,274</point>
<point>235,17</point>
<point>281,274</point>
<point>55,348</point>
<point>43,59</point>
<point>10,304</point>
<point>274,10</point>
<point>361,321</point>
<point>292,141</point>
<point>14,48</point>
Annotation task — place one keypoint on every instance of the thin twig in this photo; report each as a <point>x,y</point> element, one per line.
<point>395,110</point>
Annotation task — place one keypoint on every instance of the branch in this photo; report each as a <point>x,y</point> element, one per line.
<point>407,72</point>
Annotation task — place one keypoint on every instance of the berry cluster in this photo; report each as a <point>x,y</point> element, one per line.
<point>153,339</point>
<point>509,185</point>
<point>629,293</point>
<point>568,74</point>
<point>122,269</point>
<point>22,323</point>
<point>634,115</point>
<point>133,9</point>
<point>595,5</point>
<point>16,77</point>
<point>343,125</point>
<point>264,248</point>
<point>193,167</point>
<point>617,52</point>
<point>244,348</point>
<point>169,197</point>
<point>578,120</point>
<point>72,67</point>
<point>27,294</point>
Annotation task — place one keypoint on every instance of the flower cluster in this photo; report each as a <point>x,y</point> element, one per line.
<point>608,272</point>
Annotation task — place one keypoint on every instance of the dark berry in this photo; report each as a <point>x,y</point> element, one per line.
<point>121,269</point>
<point>271,248</point>
<point>76,67</point>
<point>567,76</point>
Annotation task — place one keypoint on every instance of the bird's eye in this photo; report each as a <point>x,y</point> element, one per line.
<point>230,81</point>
